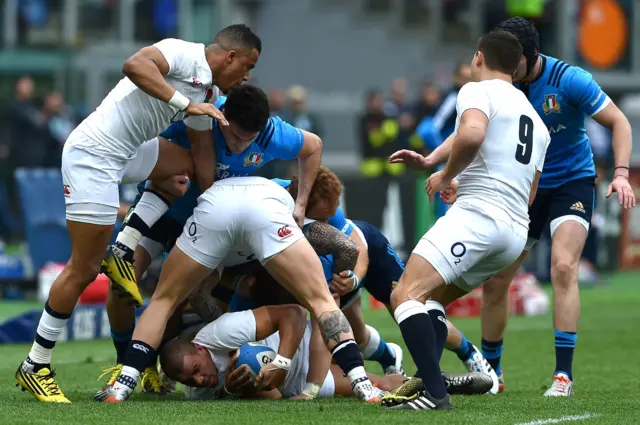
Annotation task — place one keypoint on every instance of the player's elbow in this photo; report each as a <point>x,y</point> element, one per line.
<point>131,65</point>
<point>312,145</point>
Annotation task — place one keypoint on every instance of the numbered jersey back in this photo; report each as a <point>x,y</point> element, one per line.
<point>513,150</point>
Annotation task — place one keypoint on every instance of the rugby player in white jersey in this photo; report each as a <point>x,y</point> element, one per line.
<point>236,219</point>
<point>206,365</point>
<point>498,150</point>
<point>164,83</point>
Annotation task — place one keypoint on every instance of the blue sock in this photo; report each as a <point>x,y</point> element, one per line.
<point>565,344</point>
<point>492,351</point>
<point>121,342</point>
<point>378,350</point>
<point>465,350</point>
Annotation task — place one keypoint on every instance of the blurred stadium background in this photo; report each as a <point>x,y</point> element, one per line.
<point>366,75</point>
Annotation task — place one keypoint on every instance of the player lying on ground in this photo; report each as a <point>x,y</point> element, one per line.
<point>563,95</point>
<point>163,82</point>
<point>498,151</point>
<point>250,141</point>
<point>234,219</point>
<point>206,365</point>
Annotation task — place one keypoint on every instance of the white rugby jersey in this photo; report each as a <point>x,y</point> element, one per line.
<point>226,334</point>
<point>513,150</point>
<point>128,116</point>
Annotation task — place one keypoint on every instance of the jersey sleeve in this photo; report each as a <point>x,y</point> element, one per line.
<point>584,93</point>
<point>473,96</point>
<point>229,331</point>
<point>180,55</point>
<point>199,123</point>
<point>286,140</point>
<point>339,221</point>
<point>327,266</point>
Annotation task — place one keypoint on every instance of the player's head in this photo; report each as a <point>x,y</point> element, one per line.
<point>189,364</point>
<point>498,51</point>
<point>247,111</point>
<point>324,197</point>
<point>529,39</point>
<point>233,54</point>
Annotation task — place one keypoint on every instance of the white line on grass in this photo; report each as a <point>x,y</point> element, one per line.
<point>572,418</point>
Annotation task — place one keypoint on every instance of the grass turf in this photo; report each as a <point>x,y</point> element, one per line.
<point>606,380</point>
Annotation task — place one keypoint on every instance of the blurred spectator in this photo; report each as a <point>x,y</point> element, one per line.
<point>298,116</point>
<point>277,102</point>
<point>429,100</point>
<point>60,125</point>
<point>398,103</point>
<point>28,132</point>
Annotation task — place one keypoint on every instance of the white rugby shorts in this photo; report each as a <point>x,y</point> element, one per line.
<point>471,243</point>
<point>91,178</point>
<point>240,219</point>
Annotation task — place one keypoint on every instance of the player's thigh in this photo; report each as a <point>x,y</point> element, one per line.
<point>567,244</point>
<point>139,167</point>
<point>497,286</point>
<point>90,183</point>
<point>382,275</point>
<point>171,160</point>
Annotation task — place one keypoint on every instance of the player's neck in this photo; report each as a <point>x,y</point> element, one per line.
<point>488,74</point>
<point>537,69</point>
<point>214,56</point>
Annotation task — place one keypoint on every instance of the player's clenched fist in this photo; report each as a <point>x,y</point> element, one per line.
<point>206,109</point>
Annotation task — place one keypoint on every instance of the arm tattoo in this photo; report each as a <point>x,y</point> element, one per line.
<point>204,304</point>
<point>332,324</point>
<point>326,239</point>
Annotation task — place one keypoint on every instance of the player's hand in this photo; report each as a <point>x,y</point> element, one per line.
<point>435,183</point>
<point>240,379</point>
<point>449,195</point>
<point>411,159</point>
<point>270,377</point>
<point>342,283</point>
<point>176,185</point>
<point>302,396</point>
<point>626,197</point>
<point>196,109</point>
<point>299,213</point>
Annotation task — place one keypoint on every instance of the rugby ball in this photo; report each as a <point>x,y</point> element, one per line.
<point>255,355</point>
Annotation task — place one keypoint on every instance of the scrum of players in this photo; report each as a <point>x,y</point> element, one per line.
<point>252,257</point>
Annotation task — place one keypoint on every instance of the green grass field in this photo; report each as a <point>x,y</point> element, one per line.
<point>607,382</point>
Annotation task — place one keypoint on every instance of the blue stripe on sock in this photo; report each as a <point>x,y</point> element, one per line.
<point>565,339</point>
<point>122,335</point>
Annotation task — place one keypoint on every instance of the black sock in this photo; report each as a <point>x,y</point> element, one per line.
<point>565,345</point>
<point>139,355</point>
<point>439,321</point>
<point>492,351</point>
<point>121,341</point>
<point>347,355</point>
<point>419,335</point>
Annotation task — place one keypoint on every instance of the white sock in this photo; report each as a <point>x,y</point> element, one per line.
<point>49,329</point>
<point>356,374</point>
<point>150,208</point>
<point>131,372</point>
<point>372,346</point>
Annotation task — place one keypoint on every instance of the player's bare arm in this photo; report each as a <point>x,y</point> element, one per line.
<point>204,157</point>
<point>348,279</point>
<point>309,160</point>
<point>612,118</point>
<point>290,321</point>
<point>326,239</point>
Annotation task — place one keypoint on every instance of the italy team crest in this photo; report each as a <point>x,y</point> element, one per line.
<point>550,105</point>
<point>253,160</point>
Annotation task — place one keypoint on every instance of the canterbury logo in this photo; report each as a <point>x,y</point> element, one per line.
<point>141,348</point>
<point>578,206</point>
<point>284,232</point>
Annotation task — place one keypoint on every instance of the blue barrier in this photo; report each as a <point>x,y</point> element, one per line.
<point>86,323</point>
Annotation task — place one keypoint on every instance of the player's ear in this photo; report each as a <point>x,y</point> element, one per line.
<point>231,55</point>
<point>479,58</point>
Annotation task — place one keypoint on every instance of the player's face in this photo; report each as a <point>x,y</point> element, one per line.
<point>198,370</point>
<point>238,140</point>
<point>238,66</point>
<point>323,210</point>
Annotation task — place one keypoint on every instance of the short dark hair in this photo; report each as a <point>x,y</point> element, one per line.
<point>172,356</point>
<point>248,107</point>
<point>238,36</point>
<point>527,36</point>
<point>501,50</point>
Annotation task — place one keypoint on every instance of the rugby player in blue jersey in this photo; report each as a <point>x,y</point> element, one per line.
<point>239,149</point>
<point>251,140</point>
<point>563,95</point>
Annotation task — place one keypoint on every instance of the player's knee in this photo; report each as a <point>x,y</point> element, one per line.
<point>397,297</point>
<point>81,273</point>
<point>564,272</point>
<point>297,313</point>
